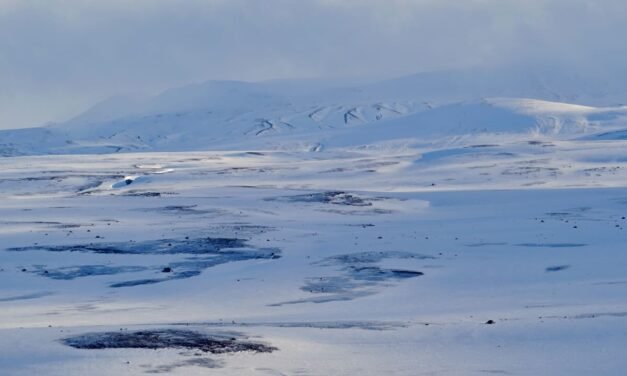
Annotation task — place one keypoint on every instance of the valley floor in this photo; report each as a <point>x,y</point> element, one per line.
<point>476,259</point>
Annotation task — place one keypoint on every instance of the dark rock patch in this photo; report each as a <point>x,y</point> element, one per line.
<point>375,273</point>
<point>150,281</point>
<point>557,268</point>
<point>142,194</point>
<point>192,267</point>
<point>202,253</point>
<point>185,210</point>
<point>221,343</point>
<point>371,257</point>
<point>73,272</point>
<point>360,276</point>
<point>162,246</point>
<point>552,245</point>
<point>331,197</point>
<point>482,146</point>
<point>485,244</point>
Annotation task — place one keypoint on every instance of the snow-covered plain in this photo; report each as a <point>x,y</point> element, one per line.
<point>358,236</point>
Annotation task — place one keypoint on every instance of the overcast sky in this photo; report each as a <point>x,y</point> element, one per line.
<point>57,57</point>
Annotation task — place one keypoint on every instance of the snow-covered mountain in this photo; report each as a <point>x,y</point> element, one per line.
<point>228,114</point>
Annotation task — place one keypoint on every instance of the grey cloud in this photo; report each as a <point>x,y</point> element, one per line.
<point>57,57</point>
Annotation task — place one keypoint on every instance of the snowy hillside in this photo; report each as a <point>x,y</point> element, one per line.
<point>221,115</point>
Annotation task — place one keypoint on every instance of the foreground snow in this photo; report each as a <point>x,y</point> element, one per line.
<point>385,259</point>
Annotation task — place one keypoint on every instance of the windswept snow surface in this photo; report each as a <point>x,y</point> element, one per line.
<point>285,232</point>
<point>371,261</point>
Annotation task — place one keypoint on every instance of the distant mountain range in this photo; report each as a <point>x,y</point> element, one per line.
<point>314,114</point>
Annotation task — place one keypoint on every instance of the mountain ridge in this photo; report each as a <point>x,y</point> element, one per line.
<point>218,114</point>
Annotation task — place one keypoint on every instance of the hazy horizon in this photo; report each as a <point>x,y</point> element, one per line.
<point>58,58</point>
